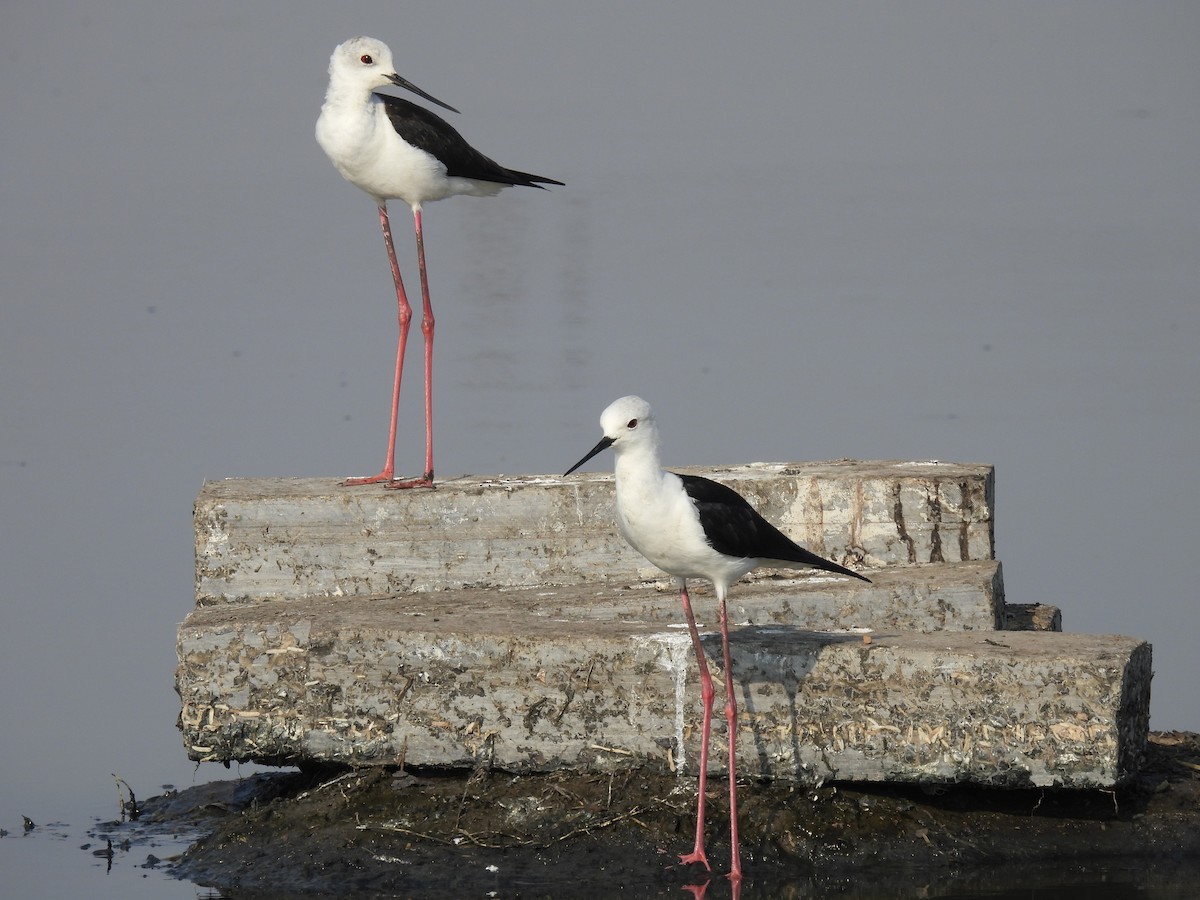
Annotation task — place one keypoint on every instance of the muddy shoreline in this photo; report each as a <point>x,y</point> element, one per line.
<point>383,832</point>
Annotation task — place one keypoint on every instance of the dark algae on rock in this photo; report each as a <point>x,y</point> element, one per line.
<point>379,832</point>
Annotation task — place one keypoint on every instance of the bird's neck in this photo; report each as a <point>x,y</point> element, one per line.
<point>343,96</point>
<point>638,469</point>
<point>345,127</point>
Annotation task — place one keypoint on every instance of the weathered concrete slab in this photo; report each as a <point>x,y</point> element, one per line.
<point>503,621</point>
<point>515,680</point>
<point>273,538</point>
<point>948,597</point>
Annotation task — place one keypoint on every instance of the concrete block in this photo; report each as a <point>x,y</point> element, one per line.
<point>273,539</point>
<point>524,681</point>
<point>948,597</point>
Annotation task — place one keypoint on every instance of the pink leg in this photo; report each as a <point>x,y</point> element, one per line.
<point>706,694</point>
<point>425,480</point>
<point>735,868</point>
<point>405,311</point>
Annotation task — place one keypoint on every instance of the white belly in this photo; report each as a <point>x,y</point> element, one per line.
<point>664,527</point>
<point>364,147</point>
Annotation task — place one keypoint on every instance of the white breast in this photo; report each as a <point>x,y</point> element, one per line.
<point>660,521</point>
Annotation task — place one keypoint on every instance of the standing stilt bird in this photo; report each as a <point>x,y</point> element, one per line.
<point>394,149</point>
<point>692,527</point>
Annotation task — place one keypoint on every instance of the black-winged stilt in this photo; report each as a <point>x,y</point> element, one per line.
<point>692,527</point>
<point>394,149</point>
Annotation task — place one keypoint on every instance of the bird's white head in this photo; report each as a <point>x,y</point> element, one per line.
<point>364,61</point>
<point>628,421</point>
<point>628,424</point>
<point>361,64</point>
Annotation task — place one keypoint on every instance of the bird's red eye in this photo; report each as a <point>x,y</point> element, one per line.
<point>365,59</point>
<point>632,423</point>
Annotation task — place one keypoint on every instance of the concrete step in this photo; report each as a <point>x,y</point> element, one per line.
<point>589,678</point>
<point>274,538</point>
<point>503,621</point>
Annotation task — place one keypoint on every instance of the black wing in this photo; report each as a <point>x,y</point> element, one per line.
<point>430,132</point>
<point>735,528</point>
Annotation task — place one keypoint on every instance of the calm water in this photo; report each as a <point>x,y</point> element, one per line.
<point>862,230</point>
<point>59,860</point>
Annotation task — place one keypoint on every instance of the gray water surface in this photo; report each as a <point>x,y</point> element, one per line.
<point>925,230</point>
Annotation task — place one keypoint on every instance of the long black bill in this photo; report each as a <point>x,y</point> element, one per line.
<point>409,86</point>
<point>605,443</point>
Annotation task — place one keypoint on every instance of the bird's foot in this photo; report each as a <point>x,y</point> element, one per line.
<point>399,484</point>
<point>382,477</point>
<point>696,856</point>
